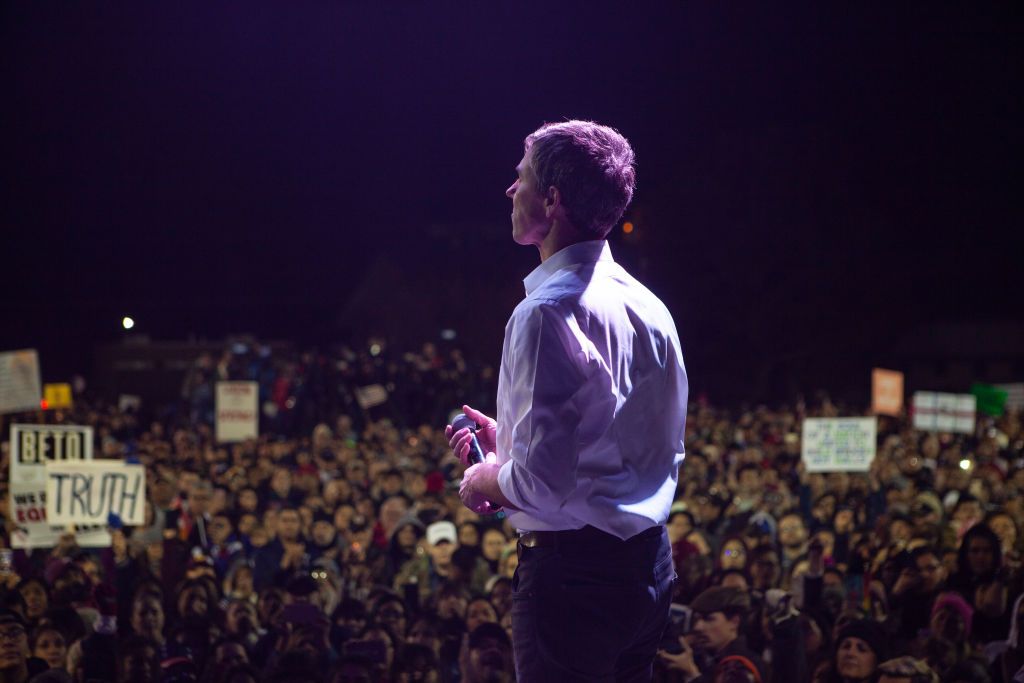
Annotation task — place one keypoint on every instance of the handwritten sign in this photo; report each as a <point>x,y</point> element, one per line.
<point>20,388</point>
<point>32,529</point>
<point>237,411</point>
<point>87,492</point>
<point>839,444</point>
<point>939,412</point>
<point>371,396</point>
<point>56,396</point>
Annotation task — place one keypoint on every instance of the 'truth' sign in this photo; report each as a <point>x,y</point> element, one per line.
<point>86,493</point>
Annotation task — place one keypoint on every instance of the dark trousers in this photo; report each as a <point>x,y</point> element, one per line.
<point>588,606</point>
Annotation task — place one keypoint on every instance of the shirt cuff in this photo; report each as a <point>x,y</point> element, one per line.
<point>507,485</point>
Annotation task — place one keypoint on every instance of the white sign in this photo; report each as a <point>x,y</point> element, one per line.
<point>33,446</point>
<point>938,412</point>
<point>32,529</point>
<point>20,388</point>
<point>88,492</point>
<point>1014,395</point>
<point>370,396</point>
<point>237,411</point>
<point>839,444</point>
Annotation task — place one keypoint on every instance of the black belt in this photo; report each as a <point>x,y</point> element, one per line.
<point>587,536</point>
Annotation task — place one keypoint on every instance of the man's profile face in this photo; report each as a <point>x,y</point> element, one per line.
<point>530,224</point>
<point>715,630</point>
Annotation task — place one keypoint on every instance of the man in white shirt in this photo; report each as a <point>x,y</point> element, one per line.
<point>585,452</point>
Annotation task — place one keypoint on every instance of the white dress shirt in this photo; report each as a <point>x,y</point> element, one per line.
<point>591,399</point>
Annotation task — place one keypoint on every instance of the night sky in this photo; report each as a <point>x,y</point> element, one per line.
<point>814,181</point>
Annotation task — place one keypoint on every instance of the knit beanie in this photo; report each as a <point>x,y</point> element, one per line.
<point>867,630</point>
<point>955,602</point>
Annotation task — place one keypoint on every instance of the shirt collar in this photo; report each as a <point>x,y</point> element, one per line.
<point>580,253</point>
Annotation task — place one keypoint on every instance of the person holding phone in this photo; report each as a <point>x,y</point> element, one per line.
<point>717,637</point>
<point>585,452</point>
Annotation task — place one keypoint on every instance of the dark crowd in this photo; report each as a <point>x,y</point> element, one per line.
<point>335,546</point>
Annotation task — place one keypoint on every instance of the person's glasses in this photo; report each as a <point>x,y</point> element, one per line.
<point>11,634</point>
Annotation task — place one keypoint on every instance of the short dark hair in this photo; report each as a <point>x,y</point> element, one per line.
<point>592,167</point>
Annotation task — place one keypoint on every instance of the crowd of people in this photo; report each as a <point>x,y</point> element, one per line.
<point>335,546</point>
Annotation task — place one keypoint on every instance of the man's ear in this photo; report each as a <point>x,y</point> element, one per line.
<point>552,200</point>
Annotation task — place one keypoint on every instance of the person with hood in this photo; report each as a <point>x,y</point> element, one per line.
<point>980,580</point>
<point>1007,656</point>
<point>401,548</point>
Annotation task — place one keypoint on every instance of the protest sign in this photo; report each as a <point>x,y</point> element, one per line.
<point>88,492</point>
<point>237,412</point>
<point>991,400</point>
<point>371,396</point>
<point>886,392</point>
<point>32,446</point>
<point>32,529</point>
<point>1014,395</point>
<point>129,403</point>
<point>56,396</point>
<point>940,412</point>
<point>20,388</point>
<point>839,444</point>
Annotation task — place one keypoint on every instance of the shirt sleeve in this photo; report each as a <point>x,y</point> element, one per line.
<point>547,373</point>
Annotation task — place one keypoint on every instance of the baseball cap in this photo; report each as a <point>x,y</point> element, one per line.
<point>441,531</point>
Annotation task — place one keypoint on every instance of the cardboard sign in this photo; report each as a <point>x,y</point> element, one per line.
<point>237,411</point>
<point>371,396</point>
<point>839,444</point>
<point>886,392</point>
<point>32,529</point>
<point>939,412</point>
<point>88,492</point>
<point>20,388</point>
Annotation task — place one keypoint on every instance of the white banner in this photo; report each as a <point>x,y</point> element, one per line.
<point>32,528</point>
<point>839,444</point>
<point>939,412</point>
<point>371,396</point>
<point>20,388</point>
<point>237,411</point>
<point>88,492</point>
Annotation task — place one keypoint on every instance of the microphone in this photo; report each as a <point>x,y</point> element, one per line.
<point>476,454</point>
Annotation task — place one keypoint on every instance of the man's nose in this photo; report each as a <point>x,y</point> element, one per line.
<point>511,189</point>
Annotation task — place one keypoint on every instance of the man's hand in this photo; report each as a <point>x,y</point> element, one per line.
<point>479,489</point>
<point>293,554</point>
<point>682,662</point>
<point>486,434</point>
